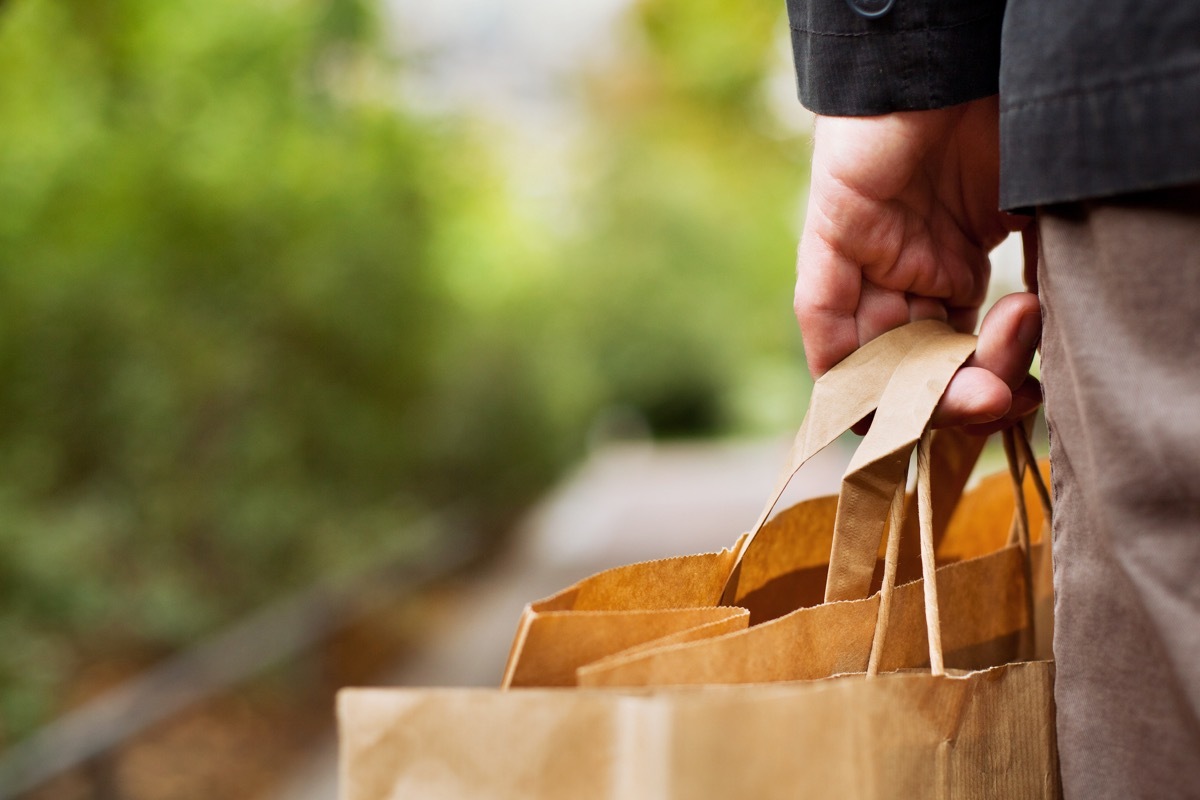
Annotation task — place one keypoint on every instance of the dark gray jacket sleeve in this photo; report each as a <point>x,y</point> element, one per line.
<point>920,54</point>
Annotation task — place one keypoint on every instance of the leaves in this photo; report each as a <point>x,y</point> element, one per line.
<point>255,318</point>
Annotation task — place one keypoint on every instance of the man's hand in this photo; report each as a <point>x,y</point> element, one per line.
<point>902,213</point>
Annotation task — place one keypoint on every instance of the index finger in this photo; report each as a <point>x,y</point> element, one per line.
<point>828,288</point>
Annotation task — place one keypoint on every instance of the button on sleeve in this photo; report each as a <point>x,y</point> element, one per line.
<point>871,9</point>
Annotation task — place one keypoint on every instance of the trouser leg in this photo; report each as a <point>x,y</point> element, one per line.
<point>1120,289</point>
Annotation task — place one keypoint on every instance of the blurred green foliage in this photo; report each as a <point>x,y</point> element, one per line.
<point>256,316</point>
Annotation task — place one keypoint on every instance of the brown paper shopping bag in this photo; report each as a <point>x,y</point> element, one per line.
<point>784,570</point>
<point>978,736</point>
<point>988,618</point>
<point>972,735</point>
<point>786,565</point>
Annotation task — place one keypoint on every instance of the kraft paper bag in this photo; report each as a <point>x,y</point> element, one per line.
<point>988,620</point>
<point>996,608</point>
<point>786,565</point>
<point>984,617</point>
<point>988,602</point>
<point>881,731</point>
<point>786,569</point>
<point>675,600</point>
<point>979,736</point>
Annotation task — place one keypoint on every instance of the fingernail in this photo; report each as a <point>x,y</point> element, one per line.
<point>1029,331</point>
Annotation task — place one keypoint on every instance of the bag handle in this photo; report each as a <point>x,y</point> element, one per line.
<point>933,625</point>
<point>1020,530</point>
<point>1021,459</point>
<point>1018,452</point>
<point>1019,455</point>
<point>840,398</point>
<point>890,564</point>
<point>881,460</point>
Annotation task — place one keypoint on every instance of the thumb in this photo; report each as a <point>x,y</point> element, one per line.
<point>982,391</point>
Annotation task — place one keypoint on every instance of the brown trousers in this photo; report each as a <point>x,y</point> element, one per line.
<point>1120,290</point>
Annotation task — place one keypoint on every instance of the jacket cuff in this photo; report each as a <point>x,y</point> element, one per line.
<point>921,54</point>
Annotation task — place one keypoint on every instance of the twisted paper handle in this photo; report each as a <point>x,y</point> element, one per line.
<point>933,625</point>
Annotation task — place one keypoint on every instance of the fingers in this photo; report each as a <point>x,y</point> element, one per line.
<point>1008,338</point>
<point>974,396</point>
<point>982,391</point>
<point>879,311</point>
<point>1026,398</point>
<point>926,308</point>
<point>828,287</point>
<point>838,311</point>
<point>963,320</point>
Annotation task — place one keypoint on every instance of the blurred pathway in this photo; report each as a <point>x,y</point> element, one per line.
<point>628,502</point>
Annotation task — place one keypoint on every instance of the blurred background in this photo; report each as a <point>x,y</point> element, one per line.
<point>304,305</point>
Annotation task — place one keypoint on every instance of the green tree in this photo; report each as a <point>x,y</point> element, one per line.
<point>255,316</point>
